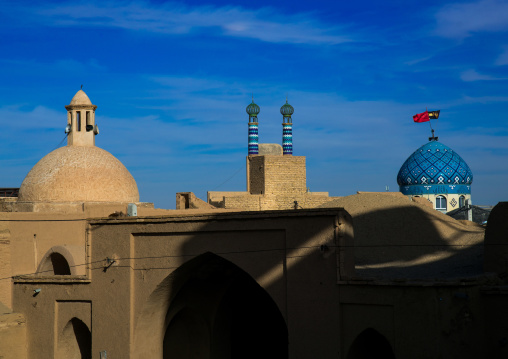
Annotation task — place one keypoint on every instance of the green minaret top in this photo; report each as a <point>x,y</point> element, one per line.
<point>252,109</point>
<point>287,110</point>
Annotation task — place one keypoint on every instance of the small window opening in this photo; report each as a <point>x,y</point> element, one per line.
<point>441,203</point>
<point>462,201</point>
<point>78,122</point>
<point>89,127</point>
<point>60,265</point>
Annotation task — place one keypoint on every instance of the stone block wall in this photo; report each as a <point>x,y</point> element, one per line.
<point>276,175</point>
<point>274,182</point>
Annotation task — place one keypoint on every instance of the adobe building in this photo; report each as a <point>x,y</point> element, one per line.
<point>275,178</point>
<point>373,274</point>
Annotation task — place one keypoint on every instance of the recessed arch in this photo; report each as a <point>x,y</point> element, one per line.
<point>370,344</point>
<point>57,261</point>
<point>75,341</point>
<point>217,301</point>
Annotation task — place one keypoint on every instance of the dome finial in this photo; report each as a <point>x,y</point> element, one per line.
<point>433,138</point>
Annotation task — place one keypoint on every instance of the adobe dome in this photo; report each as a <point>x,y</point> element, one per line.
<point>80,98</point>
<point>435,164</point>
<point>79,174</point>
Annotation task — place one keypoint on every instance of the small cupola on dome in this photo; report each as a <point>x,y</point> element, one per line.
<point>81,128</point>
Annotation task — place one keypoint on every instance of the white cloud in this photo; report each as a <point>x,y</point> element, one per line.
<point>171,18</point>
<point>15,119</point>
<point>199,140</point>
<point>471,75</point>
<point>460,20</point>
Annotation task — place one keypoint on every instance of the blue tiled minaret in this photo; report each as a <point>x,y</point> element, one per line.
<point>287,128</point>
<point>253,111</point>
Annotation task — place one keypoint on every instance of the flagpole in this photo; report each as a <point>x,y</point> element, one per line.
<point>431,129</point>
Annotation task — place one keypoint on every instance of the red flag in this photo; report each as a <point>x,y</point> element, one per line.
<point>421,117</point>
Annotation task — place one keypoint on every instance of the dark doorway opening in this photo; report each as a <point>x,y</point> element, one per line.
<point>369,344</point>
<point>221,312</point>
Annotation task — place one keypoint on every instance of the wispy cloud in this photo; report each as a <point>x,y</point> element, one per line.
<point>460,20</point>
<point>418,60</point>
<point>472,75</point>
<point>503,58</point>
<point>64,66</point>
<point>265,24</point>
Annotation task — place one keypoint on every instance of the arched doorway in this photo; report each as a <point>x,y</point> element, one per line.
<point>369,344</point>
<point>75,341</point>
<point>218,308</point>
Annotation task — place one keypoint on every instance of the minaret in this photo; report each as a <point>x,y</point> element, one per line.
<point>253,111</point>
<point>81,128</point>
<point>287,128</point>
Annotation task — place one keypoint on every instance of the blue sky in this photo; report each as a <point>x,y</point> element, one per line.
<point>171,81</point>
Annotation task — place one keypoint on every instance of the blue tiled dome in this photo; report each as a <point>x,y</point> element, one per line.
<point>434,168</point>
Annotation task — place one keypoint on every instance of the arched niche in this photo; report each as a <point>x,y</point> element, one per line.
<point>225,311</point>
<point>370,344</point>
<point>57,261</point>
<point>75,341</point>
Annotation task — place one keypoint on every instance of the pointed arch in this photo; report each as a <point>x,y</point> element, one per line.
<point>75,341</point>
<point>57,261</point>
<point>228,313</point>
<point>370,344</point>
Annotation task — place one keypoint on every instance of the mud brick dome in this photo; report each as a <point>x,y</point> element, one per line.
<point>80,171</point>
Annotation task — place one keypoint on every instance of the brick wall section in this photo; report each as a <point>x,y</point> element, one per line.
<point>216,198</point>
<point>273,182</point>
<point>256,174</point>
<point>247,202</point>
<point>270,202</point>
<point>5,264</point>
<point>288,201</point>
<point>277,175</point>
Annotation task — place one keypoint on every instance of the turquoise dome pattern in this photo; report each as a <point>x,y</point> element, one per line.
<point>435,168</point>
